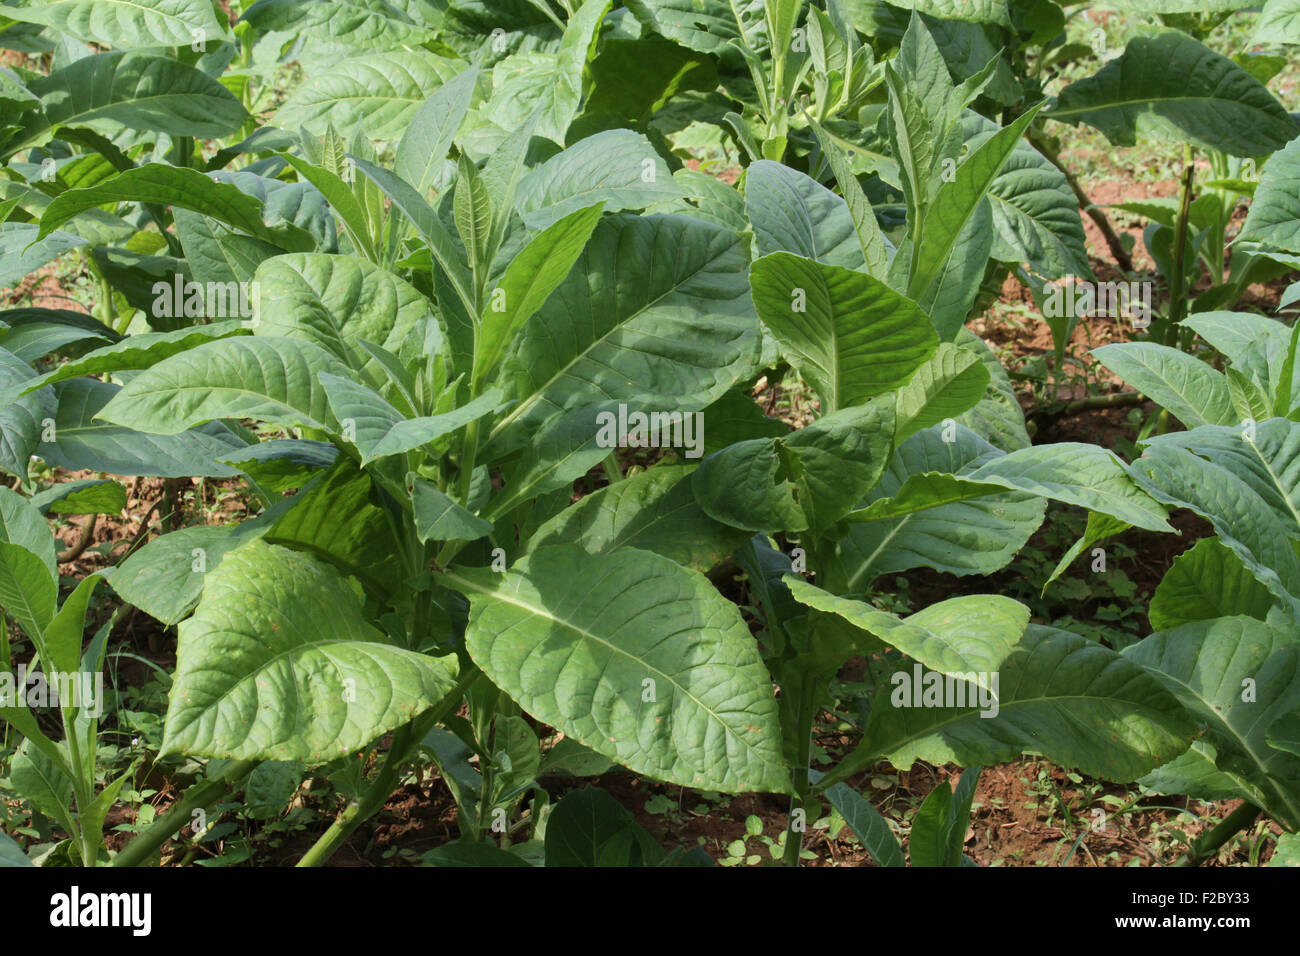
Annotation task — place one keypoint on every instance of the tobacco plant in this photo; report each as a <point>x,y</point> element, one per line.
<point>459,271</point>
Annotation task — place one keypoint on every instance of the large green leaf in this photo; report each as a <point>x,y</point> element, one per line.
<point>979,11</point>
<point>1274,216</point>
<point>124,24</point>
<point>1279,22</point>
<point>708,26</point>
<point>876,249</point>
<point>1236,676</point>
<point>1172,87</point>
<point>28,576</point>
<point>1074,701</point>
<point>21,419</point>
<point>528,281</point>
<point>588,827</point>
<point>952,381</point>
<point>165,577</point>
<point>428,138</point>
<point>11,854</point>
<point>106,91</point>
<point>350,24</point>
<point>138,351</point>
<point>808,479</point>
<point>1205,582</point>
<point>562,449</point>
<point>1078,474</point>
<point>633,656</point>
<point>337,301</point>
<point>964,537</point>
<point>185,188</point>
<point>380,92</point>
<point>632,79</point>
<point>338,520</point>
<point>969,635</point>
<point>997,417</point>
<point>548,84</point>
<point>274,380</point>
<point>1035,213</point>
<point>1256,345</point>
<point>279,663</point>
<point>617,167</point>
<point>654,511</point>
<point>21,524</point>
<point>1192,391</point>
<point>849,335</point>
<point>82,440</point>
<point>944,256</point>
<point>791,212</point>
<point>655,308</point>
<point>1248,487</point>
<point>22,253</point>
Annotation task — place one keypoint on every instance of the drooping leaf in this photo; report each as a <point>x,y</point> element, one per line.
<point>381,92</point>
<point>1074,701</point>
<point>550,634</point>
<point>82,439</point>
<point>275,380</point>
<point>279,663</point>
<point>1172,87</point>
<point>617,167</point>
<point>105,91</point>
<point>1192,391</point>
<point>178,186</point>
<point>1244,481</point>
<point>1206,664</point>
<point>962,635</point>
<point>126,24</point>
<point>653,511</point>
<point>1274,216</point>
<point>1205,582</point>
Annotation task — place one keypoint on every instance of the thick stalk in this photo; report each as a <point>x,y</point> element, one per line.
<point>612,470</point>
<point>1177,293</point>
<point>804,717</point>
<point>83,790</point>
<point>470,451</point>
<point>1208,844</point>
<point>170,823</point>
<point>358,811</point>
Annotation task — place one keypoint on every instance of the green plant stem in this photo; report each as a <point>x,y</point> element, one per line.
<point>806,713</point>
<point>1177,293</point>
<point>612,470</point>
<point>1208,844</point>
<point>169,824</point>
<point>405,740</point>
<point>82,790</point>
